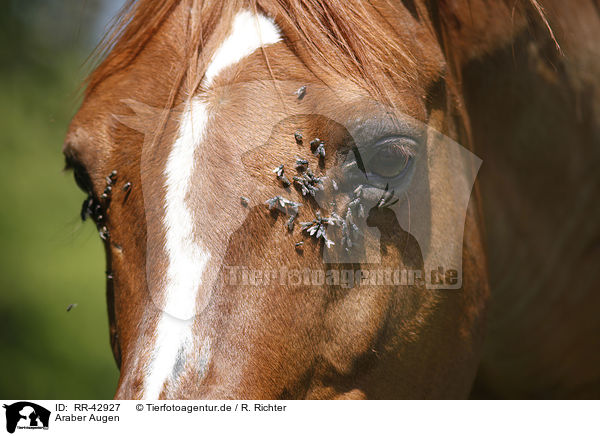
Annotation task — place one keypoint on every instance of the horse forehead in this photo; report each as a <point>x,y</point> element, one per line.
<point>184,246</point>
<point>181,290</point>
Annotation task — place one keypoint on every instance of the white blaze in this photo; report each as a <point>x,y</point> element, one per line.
<point>187,259</point>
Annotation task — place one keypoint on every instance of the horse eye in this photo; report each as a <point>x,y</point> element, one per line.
<point>391,157</point>
<point>82,178</point>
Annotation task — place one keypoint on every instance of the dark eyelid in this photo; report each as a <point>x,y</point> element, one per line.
<point>82,178</point>
<point>409,144</point>
<point>370,131</point>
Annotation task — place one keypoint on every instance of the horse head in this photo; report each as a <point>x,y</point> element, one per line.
<point>284,194</point>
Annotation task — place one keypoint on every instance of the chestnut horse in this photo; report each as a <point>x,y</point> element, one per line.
<point>217,141</point>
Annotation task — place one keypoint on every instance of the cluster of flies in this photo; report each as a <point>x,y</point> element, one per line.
<point>309,185</point>
<point>97,208</point>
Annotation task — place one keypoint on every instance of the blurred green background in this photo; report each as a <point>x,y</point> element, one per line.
<point>49,258</point>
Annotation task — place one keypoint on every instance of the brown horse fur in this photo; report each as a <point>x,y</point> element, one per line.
<point>446,63</point>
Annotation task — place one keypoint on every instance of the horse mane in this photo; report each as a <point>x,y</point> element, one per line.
<point>352,37</point>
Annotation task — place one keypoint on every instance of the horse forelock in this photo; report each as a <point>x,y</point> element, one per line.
<point>352,37</point>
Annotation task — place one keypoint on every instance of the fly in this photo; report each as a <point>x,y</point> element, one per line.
<point>301,164</point>
<point>127,190</point>
<point>279,171</point>
<point>87,208</point>
<point>386,199</point>
<point>358,191</point>
<point>320,151</point>
<point>350,231</point>
<point>318,147</point>
<point>290,222</point>
<point>104,233</point>
<point>301,92</point>
<point>354,203</point>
